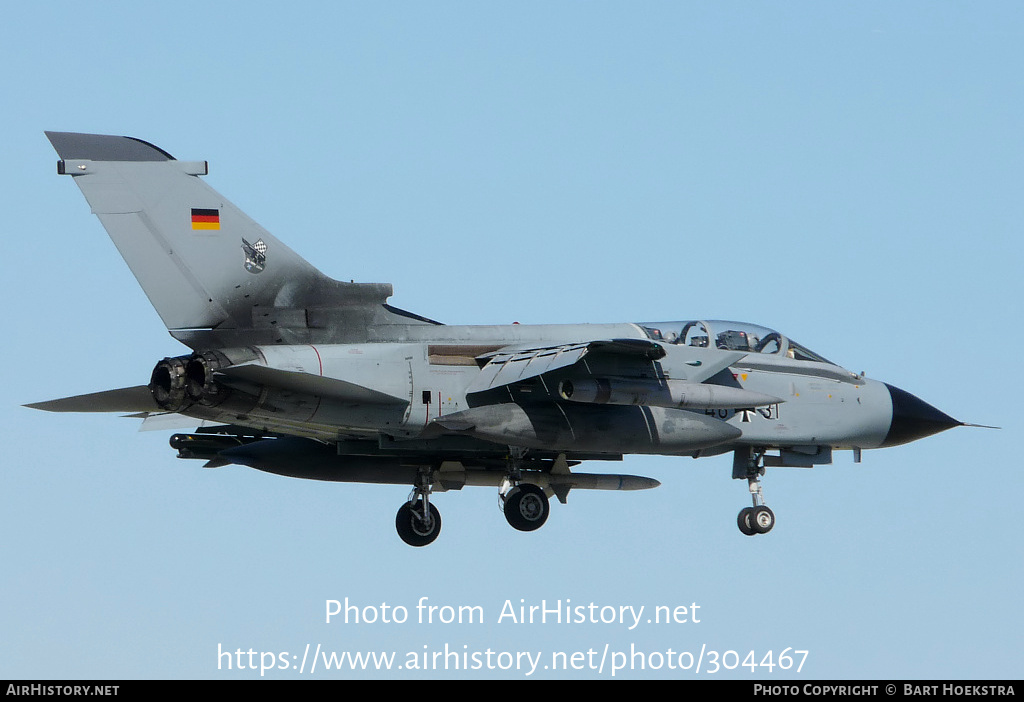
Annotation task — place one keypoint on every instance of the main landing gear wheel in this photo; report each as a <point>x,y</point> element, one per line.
<point>416,528</point>
<point>526,507</point>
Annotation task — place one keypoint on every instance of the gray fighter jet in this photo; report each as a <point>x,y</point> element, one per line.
<point>301,375</point>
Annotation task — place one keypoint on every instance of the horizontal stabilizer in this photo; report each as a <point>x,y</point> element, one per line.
<point>134,399</point>
<point>170,420</point>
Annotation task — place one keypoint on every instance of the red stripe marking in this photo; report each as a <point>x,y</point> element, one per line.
<point>320,360</point>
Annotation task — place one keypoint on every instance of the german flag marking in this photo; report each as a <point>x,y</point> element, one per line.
<point>205,219</point>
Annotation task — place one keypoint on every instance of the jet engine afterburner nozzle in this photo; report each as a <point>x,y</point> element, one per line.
<point>200,385</point>
<point>167,384</point>
<point>180,382</point>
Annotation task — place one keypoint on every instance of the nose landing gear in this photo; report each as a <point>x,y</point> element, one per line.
<point>758,519</point>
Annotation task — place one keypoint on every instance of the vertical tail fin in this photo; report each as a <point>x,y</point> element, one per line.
<point>201,261</point>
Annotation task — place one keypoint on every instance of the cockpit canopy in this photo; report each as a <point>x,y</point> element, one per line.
<point>731,336</point>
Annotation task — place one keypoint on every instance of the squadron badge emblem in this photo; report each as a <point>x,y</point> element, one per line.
<point>255,255</point>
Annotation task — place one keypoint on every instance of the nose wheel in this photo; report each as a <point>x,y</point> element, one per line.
<point>755,520</point>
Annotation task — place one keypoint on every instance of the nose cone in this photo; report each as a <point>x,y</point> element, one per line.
<point>913,418</point>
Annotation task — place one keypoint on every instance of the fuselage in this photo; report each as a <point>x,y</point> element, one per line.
<point>416,375</point>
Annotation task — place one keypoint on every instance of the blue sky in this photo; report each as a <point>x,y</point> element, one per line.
<point>847,173</point>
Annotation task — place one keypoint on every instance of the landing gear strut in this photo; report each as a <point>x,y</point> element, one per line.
<point>758,519</point>
<point>418,521</point>
<point>525,505</point>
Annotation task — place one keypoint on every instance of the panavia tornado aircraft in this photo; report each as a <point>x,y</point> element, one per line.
<point>301,375</point>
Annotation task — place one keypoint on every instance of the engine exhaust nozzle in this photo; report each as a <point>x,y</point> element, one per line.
<point>167,384</point>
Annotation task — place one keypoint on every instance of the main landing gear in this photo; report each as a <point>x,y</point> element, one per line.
<point>758,519</point>
<point>418,522</point>
<point>525,505</point>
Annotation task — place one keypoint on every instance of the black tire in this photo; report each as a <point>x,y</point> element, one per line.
<point>762,520</point>
<point>526,507</point>
<point>411,526</point>
<point>745,521</point>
